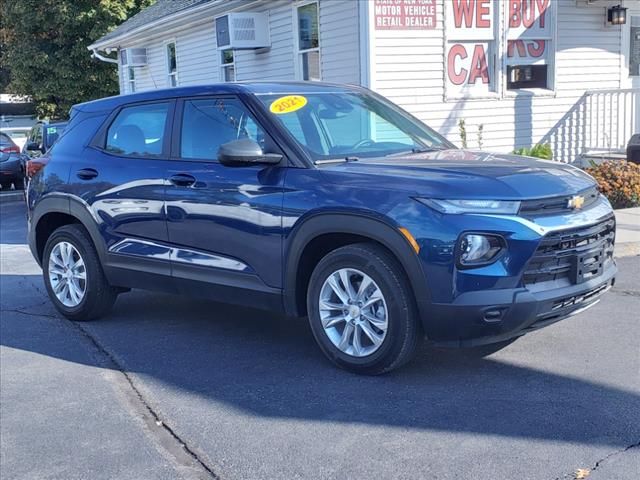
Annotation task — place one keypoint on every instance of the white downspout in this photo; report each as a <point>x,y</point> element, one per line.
<point>95,54</point>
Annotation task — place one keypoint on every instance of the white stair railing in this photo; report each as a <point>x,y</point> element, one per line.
<point>610,118</point>
<point>600,123</point>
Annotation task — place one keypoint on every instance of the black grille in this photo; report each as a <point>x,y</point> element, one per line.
<point>576,254</point>
<point>579,300</point>
<point>555,205</point>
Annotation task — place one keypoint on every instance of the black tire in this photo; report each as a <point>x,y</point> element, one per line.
<point>489,349</point>
<point>403,330</point>
<point>99,296</point>
<point>6,185</point>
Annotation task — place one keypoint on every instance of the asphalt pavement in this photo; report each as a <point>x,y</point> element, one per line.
<point>173,387</point>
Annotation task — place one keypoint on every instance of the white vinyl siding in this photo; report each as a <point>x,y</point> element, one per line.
<point>340,41</point>
<point>409,68</point>
<point>199,59</point>
<point>275,63</point>
<point>197,54</point>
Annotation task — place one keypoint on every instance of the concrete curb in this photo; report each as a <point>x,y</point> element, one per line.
<point>627,232</point>
<point>11,197</point>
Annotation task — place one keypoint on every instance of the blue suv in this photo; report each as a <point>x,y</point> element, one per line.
<point>320,201</point>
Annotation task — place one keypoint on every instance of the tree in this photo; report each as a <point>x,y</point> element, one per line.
<point>4,71</point>
<point>43,47</point>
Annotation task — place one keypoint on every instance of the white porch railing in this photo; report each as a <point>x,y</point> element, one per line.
<point>610,118</point>
<point>599,124</point>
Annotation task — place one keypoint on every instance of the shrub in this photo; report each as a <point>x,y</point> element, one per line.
<point>619,181</point>
<point>462,125</point>
<point>542,150</point>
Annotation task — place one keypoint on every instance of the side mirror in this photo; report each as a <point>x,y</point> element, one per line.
<point>34,147</point>
<point>245,152</point>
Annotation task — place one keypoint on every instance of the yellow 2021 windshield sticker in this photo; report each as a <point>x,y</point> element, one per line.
<point>287,104</point>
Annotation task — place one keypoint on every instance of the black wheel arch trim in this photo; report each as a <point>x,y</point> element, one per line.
<point>375,228</point>
<point>68,205</point>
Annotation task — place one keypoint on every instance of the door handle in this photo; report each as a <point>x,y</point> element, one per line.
<point>87,173</point>
<point>182,180</point>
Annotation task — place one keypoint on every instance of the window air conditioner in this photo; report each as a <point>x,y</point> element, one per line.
<point>242,31</point>
<point>134,57</point>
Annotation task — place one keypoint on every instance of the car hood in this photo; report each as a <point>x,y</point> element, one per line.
<point>464,174</point>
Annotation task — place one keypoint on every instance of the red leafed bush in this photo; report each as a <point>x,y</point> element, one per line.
<point>619,181</point>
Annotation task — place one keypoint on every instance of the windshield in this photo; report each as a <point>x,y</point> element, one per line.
<point>53,132</point>
<point>339,125</point>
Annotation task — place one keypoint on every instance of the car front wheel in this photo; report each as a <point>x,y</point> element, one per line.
<point>74,277</point>
<point>361,310</point>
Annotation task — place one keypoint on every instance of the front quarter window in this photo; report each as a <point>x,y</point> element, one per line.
<point>335,125</point>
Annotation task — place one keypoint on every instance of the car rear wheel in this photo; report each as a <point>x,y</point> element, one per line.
<point>361,310</point>
<point>6,185</point>
<point>74,277</point>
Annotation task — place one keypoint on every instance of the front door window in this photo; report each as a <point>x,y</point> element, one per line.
<point>209,123</point>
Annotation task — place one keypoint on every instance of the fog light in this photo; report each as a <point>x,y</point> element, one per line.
<point>476,249</point>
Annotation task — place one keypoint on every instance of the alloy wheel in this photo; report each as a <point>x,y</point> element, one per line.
<point>67,274</point>
<point>353,312</point>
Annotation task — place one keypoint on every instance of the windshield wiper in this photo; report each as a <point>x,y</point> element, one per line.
<point>346,159</point>
<point>416,150</point>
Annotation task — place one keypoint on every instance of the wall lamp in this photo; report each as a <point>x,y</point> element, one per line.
<point>617,15</point>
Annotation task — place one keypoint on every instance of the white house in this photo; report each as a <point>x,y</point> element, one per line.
<point>566,72</point>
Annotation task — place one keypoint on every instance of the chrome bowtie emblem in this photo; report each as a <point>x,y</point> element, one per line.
<point>576,202</point>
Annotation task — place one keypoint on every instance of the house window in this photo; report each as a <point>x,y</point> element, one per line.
<point>128,73</point>
<point>529,44</point>
<point>308,42</point>
<point>486,56</point>
<point>228,66</point>
<point>634,46</point>
<point>472,42</point>
<point>131,79</point>
<point>172,65</point>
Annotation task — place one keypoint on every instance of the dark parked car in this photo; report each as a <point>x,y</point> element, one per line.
<point>41,138</point>
<point>316,200</point>
<point>10,172</point>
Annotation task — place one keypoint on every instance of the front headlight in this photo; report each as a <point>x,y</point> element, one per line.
<point>504,207</point>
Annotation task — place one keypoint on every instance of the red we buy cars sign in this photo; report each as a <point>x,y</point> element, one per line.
<point>472,28</point>
<point>405,14</point>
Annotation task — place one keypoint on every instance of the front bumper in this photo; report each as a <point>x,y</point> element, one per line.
<point>540,280</point>
<point>483,317</point>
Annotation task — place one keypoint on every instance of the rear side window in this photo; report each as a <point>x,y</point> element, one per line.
<point>209,123</point>
<point>138,130</point>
